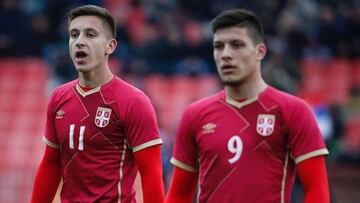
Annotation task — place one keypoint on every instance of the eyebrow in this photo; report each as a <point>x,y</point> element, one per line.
<point>86,29</point>
<point>230,41</point>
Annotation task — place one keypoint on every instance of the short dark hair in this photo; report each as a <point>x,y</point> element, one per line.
<point>240,18</point>
<point>93,10</point>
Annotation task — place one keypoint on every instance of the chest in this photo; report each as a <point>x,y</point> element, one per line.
<point>86,122</point>
<point>235,133</point>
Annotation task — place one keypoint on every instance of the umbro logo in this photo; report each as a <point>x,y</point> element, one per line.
<point>60,114</point>
<point>209,128</point>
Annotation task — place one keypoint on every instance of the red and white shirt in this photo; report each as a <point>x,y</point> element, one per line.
<point>97,133</point>
<point>247,151</point>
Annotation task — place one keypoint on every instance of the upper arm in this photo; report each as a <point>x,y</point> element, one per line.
<point>140,122</point>
<point>305,138</point>
<point>185,154</point>
<point>50,137</point>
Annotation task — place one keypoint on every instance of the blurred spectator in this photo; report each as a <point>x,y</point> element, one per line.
<point>164,32</point>
<point>14,29</point>
<point>192,66</point>
<point>279,70</point>
<point>40,34</point>
<point>338,130</point>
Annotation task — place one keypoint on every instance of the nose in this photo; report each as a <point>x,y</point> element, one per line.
<point>79,42</point>
<point>226,53</point>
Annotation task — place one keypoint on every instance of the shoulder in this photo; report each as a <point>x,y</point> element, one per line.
<point>127,89</point>
<point>66,86</point>
<point>274,97</point>
<point>123,92</point>
<point>206,103</point>
<point>289,107</point>
<point>63,89</point>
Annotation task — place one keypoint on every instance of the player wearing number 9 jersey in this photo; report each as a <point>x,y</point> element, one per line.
<point>246,150</point>
<point>100,130</point>
<point>247,142</point>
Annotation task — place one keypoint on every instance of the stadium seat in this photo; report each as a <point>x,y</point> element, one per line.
<point>23,104</point>
<point>352,134</point>
<point>355,74</point>
<point>170,95</point>
<point>325,81</point>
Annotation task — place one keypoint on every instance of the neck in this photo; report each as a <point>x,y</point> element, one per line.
<point>96,77</point>
<point>246,90</point>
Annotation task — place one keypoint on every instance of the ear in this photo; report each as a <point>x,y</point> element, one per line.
<point>111,47</point>
<point>260,51</point>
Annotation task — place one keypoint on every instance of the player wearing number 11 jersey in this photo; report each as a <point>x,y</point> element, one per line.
<point>100,131</point>
<point>97,133</point>
<point>246,143</point>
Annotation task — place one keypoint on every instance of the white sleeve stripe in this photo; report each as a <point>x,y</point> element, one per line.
<point>182,165</point>
<point>147,144</point>
<point>311,154</point>
<point>49,143</point>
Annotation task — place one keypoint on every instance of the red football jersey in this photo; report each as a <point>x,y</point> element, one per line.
<point>246,152</point>
<point>97,133</point>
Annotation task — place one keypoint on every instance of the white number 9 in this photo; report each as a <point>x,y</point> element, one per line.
<point>235,146</point>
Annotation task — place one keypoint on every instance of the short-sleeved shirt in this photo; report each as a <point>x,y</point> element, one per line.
<point>97,132</point>
<point>247,151</point>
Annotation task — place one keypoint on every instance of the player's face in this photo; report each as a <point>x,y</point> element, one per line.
<point>89,43</point>
<point>236,56</point>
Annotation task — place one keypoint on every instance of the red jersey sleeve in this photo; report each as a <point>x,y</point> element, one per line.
<point>185,149</point>
<point>313,176</point>
<point>149,164</point>
<point>48,176</point>
<point>50,137</point>
<point>141,127</point>
<point>305,138</point>
<point>182,187</point>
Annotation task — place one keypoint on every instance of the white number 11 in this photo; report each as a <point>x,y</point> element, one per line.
<point>81,137</point>
<point>235,146</point>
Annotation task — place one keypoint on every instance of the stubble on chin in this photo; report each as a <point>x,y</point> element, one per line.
<point>231,82</point>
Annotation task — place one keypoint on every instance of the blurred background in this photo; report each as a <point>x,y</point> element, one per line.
<point>165,49</point>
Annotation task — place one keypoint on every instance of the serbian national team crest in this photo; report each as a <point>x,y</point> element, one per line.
<point>265,124</point>
<point>102,117</point>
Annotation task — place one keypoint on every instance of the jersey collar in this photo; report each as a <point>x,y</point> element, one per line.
<point>94,90</point>
<point>241,104</point>
<point>83,93</point>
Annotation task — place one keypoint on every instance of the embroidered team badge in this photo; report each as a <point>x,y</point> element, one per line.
<point>102,117</point>
<point>265,124</point>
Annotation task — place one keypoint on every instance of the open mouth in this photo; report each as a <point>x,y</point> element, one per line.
<point>80,55</point>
